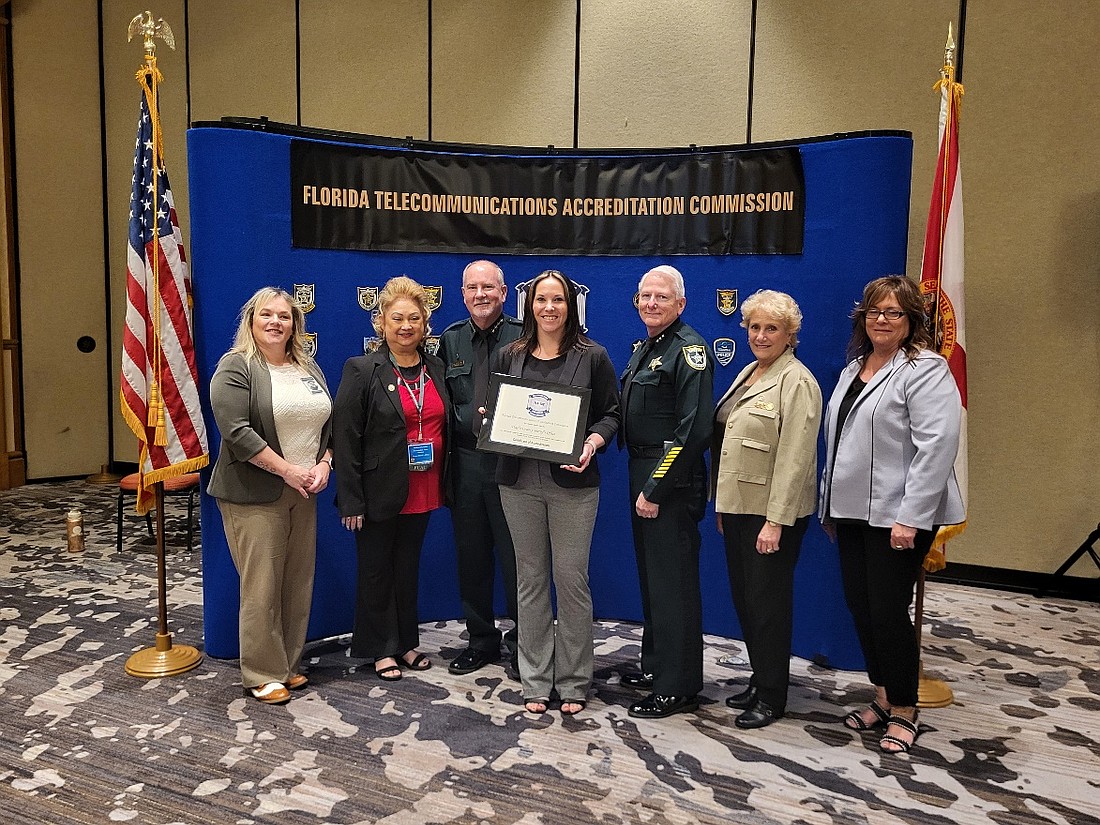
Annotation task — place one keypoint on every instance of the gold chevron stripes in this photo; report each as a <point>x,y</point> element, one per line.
<point>666,462</point>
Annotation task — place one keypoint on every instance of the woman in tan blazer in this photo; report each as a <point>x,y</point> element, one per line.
<point>764,468</point>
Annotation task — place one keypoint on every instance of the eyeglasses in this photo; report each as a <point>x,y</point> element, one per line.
<point>646,297</point>
<point>889,314</point>
<point>473,289</point>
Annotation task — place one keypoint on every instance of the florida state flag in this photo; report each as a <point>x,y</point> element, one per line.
<point>942,274</point>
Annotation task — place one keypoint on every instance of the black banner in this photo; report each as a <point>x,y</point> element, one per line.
<point>735,202</point>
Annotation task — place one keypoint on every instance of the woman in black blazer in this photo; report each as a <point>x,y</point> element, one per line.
<point>390,430</point>
<point>551,509</point>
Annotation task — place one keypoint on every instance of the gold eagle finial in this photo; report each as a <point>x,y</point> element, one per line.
<point>149,29</point>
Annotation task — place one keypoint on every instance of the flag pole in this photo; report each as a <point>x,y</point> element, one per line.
<point>165,659</point>
<point>935,693</point>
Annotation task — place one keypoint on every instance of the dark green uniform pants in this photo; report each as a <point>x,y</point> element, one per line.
<point>667,550</point>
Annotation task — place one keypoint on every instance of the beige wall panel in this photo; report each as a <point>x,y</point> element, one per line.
<point>242,57</point>
<point>655,73</point>
<point>122,96</point>
<point>1031,166</point>
<point>503,71</point>
<point>365,66</point>
<point>55,63</point>
<point>825,67</point>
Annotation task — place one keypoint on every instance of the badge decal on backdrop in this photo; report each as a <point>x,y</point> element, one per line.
<point>434,297</point>
<point>371,345</point>
<point>724,350</point>
<point>368,297</point>
<point>582,301</point>
<point>727,301</point>
<point>303,296</point>
<point>431,345</point>
<point>309,343</point>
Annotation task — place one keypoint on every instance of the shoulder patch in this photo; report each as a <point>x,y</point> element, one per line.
<point>696,356</point>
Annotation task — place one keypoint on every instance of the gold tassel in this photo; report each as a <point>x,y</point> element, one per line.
<point>153,416</point>
<point>156,418</point>
<point>160,437</point>
<point>935,560</point>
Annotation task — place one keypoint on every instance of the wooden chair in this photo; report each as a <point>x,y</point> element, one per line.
<point>187,484</point>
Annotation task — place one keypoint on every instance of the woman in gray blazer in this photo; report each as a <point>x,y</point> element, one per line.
<point>891,435</point>
<point>273,411</point>
<point>764,466</point>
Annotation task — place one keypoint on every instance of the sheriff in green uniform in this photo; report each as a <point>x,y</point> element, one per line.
<point>668,413</point>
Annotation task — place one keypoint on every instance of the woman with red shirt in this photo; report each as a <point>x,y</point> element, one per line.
<point>389,431</point>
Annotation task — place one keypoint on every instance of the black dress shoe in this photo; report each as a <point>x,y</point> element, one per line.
<point>511,668</point>
<point>760,715</point>
<point>657,706</point>
<point>743,700</point>
<point>472,659</point>
<point>637,680</point>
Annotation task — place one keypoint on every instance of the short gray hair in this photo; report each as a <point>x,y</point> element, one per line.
<point>500,272</point>
<point>670,272</point>
<point>778,305</point>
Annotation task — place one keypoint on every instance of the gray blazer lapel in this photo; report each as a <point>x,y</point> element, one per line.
<point>879,378</point>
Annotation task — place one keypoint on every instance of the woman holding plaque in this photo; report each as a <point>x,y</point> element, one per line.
<point>389,430</point>
<point>551,508</point>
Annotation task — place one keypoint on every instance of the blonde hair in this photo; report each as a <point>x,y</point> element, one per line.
<point>245,343</point>
<point>401,287</point>
<point>778,305</point>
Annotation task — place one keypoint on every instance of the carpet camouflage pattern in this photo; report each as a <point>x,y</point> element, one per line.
<point>82,742</point>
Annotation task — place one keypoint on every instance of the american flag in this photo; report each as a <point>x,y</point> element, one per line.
<point>942,273</point>
<point>159,392</point>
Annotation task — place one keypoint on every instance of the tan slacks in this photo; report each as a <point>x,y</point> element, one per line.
<point>274,548</point>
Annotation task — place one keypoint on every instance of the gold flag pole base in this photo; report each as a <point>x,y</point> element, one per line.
<point>933,693</point>
<point>165,659</point>
<point>103,477</point>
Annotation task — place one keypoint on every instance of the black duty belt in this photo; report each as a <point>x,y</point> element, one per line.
<point>646,452</point>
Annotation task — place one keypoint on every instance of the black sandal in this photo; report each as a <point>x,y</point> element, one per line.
<point>544,702</point>
<point>910,726</point>
<point>582,702</point>
<point>855,721</point>
<point>420,662</point>
<point>391,672</point>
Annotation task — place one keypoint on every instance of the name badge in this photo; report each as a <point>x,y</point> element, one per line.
<point>421,456</point>
<point>312,384</point>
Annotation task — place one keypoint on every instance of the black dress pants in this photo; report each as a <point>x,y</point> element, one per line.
<point>479,527</point>
<point>667,551</point>
<point>763,595</point>
<point>389,573</point>
<point>878,586</point>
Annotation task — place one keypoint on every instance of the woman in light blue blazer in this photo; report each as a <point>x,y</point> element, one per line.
<point>891,437</point>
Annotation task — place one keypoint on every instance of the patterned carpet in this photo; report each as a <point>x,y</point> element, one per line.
<point>82,742</point>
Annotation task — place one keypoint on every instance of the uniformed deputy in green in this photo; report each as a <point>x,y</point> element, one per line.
<point>668,414</point>
<point>467,348</point>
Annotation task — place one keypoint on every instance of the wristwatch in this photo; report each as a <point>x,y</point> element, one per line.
<point>331,464</point>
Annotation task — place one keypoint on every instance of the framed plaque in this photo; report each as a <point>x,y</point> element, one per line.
<point>535,419</point>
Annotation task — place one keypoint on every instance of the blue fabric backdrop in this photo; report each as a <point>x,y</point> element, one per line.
<point>857,204</point>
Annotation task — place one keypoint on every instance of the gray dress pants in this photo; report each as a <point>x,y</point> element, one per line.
<point>551,529</point>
